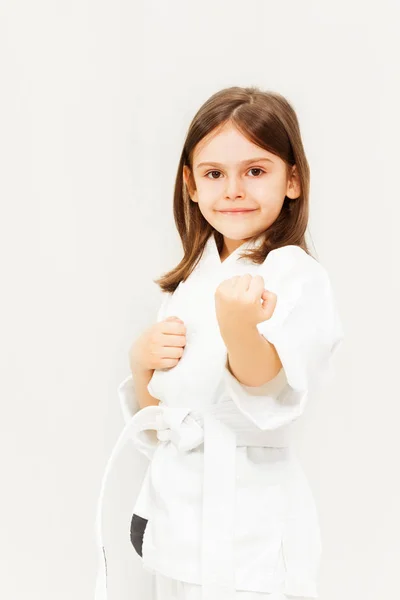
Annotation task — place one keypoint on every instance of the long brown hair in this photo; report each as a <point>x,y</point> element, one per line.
<point>267,119</point>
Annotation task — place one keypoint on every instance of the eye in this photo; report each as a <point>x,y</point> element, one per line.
<point>252,169</point>
<point>257,169</point>
<point>206,175</point>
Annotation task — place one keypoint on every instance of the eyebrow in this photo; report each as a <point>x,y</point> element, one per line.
<point>244,162</point>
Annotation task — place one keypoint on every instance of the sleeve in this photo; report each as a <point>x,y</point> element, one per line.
<point>306,331</point>
<point>126,390</point>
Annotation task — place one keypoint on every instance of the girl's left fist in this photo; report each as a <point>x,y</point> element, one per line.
<point>242,301</point>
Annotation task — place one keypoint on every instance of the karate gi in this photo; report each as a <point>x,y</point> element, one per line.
<point>225,503</point>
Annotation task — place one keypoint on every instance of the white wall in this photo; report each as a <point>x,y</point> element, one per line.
<point>95,100</point>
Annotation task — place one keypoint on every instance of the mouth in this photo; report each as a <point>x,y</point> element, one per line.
<point>237,212</point>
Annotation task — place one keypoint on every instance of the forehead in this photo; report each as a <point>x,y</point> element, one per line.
<point>230,147</point>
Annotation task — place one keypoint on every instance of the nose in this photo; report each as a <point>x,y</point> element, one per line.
<point>234,188</point>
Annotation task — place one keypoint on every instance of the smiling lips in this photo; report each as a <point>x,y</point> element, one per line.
<point>237,212</point>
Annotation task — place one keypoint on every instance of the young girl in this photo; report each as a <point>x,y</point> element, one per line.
<point>247,328</point>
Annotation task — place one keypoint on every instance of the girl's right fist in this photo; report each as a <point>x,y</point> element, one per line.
<point>159,347</point>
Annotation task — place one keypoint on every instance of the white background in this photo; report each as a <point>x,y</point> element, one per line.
<point>95,101</point>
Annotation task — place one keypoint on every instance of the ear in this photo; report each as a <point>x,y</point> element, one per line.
<point>187,178</point>
<point>293,189</point>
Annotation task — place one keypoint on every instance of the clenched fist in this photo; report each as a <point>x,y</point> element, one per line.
<point>159,347</point>
<point>242,302</point>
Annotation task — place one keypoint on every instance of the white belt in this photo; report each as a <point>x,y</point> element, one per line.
<point>221,427</point>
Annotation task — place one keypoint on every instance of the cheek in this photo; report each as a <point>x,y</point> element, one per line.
<point>270,210</point>
<point>208,198</point>
<point>205,209</point>
<point>271,196</point>
<point>269,186</point>
<point>209,189</point>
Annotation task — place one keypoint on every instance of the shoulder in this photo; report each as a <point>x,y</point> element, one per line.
<point>298,280</point>
<point>292,273</point>
<point>293,260</point>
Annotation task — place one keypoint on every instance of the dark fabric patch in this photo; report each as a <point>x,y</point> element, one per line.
<point>138,525</point>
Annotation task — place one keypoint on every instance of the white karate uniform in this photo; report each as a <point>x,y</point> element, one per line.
<point>228,505</point>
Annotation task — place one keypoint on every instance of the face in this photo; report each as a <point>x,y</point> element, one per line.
<point>230,172</point>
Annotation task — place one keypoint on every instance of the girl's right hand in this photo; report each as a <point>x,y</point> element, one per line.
<point>159,347</point>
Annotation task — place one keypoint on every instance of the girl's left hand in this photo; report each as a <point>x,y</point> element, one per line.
<point>238,302</point>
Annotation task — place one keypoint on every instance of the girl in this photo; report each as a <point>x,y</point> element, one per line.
<point>247,327</point>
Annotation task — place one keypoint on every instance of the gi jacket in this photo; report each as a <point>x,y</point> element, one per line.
<point>224,496</point>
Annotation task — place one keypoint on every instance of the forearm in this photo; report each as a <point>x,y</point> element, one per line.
<point>251,358</point>
<point>141,380</point>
